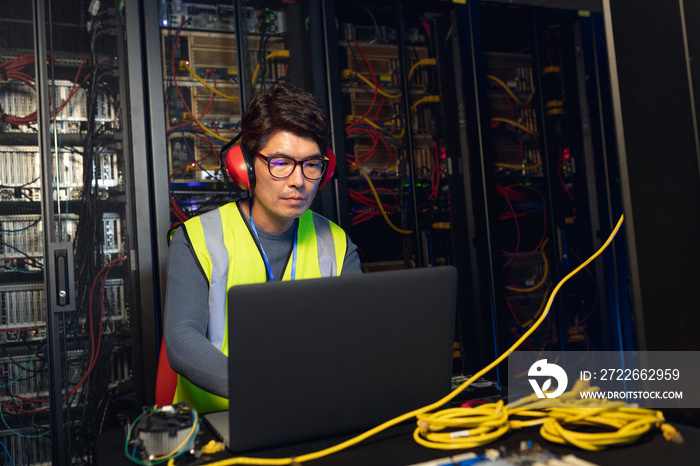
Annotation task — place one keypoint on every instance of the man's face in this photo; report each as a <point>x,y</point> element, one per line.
<point>279,201</point>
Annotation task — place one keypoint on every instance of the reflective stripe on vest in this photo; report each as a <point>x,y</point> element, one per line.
<point>224,247</point>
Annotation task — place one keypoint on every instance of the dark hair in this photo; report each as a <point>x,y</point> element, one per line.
<point>284,109</point>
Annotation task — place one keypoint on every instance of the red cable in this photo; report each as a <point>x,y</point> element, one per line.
<point>13,71</point>
<point>206,110</point>
<point>374,79</point>
<point>95,352</point>
<point>509,193</point>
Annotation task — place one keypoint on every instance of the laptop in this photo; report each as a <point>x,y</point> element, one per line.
<point>317,358</point>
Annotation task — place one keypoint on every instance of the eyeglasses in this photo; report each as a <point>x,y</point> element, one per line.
<point>282,167</point>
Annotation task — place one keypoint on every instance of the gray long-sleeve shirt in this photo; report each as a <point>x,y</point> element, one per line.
<point>186,315</point>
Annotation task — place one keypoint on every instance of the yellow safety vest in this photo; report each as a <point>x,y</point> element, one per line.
<point>228,255</point>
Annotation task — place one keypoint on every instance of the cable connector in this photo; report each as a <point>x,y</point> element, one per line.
<point>347,74</point>
<point>671,433</point>
<point>278,54</point>
<point>213,447</point>
<point>516,424</point>
<point>521,424</point>
<point>423,426</point>
<point>428,99</point>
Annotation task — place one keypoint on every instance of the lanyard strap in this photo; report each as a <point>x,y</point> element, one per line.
<point>267,261</point>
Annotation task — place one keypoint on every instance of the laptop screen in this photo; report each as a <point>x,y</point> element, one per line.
<point>321,357</point>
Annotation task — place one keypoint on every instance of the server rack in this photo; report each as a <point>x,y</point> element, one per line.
<point>397,164</point>
<point>75,297</point>
<point>546,175</point>
<point>514,101</point>
<point>405,199</point>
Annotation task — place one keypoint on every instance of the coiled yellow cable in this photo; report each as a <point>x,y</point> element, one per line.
<point>479,426</point>
<point>618,423</point>
<point>560,420</point>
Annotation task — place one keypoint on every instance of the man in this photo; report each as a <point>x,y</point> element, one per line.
<point>269,236</point>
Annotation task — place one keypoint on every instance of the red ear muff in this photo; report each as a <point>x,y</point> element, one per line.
<point>239,169</point>
<point>330,169</point>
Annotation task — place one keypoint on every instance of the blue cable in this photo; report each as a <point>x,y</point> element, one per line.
<point>8,453</point>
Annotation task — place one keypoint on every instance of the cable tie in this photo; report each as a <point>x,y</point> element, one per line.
<point>460,433</point>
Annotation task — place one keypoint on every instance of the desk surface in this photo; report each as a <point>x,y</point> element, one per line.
<point>397,447</point>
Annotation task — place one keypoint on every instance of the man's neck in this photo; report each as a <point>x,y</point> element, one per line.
<point>264,221</point>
